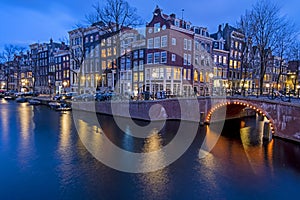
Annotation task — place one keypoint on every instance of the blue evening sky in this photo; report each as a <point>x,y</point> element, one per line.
<point>27,21</point>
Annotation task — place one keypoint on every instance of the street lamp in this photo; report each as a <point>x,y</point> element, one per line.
<point>49,84</point>
<point>268,87</point>
<point>65,85</point>
<point>3,85</point>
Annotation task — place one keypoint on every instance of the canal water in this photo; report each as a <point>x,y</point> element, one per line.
<point>43,157</point>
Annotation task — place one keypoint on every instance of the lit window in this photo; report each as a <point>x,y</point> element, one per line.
<point>141,76</point>
<point>215,58</point>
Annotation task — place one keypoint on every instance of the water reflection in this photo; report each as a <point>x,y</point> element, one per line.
<point>245,134</point>
<point>154,184</point>
<point>25,120</point>
<point>5,117</point>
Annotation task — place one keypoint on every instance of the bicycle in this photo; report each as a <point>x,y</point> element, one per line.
<point>274,94</point>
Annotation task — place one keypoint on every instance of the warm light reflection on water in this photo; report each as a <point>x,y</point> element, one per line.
<point>25,119</point>
<point>155,182</point>
<point>5,115</point>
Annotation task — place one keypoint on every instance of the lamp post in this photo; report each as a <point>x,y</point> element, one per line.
<point>49,85</point>
<point>268,87</point>
<point>65,85</point>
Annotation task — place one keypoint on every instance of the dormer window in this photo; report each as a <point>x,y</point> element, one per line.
<point>156,27</point>
<point>188,26</point>
<point>177,23</point>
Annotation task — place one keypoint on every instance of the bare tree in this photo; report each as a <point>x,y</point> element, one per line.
<point>294,55</point>
<point>263,24</point>
<point>115,15</point>
<point>285,38</point>
<point>7,58</point>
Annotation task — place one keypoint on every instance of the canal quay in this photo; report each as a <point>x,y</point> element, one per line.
<point>43,155</point>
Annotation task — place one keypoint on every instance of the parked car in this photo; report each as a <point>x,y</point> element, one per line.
<point>84,97</point>
<point>69,95</point>
<point>59,97</point>
<point>100,96</point>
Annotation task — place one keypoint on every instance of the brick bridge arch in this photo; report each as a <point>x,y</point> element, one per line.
<point>236,109</point>
<point>284,117</point>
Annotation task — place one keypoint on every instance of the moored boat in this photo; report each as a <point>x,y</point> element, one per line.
<point>34,102</point>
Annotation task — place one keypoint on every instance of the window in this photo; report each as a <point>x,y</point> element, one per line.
<point>156,57</point>
<point>215,58</point>
<point>224,60</point>
<point>220,59</point>
<point>173,41</point>
<point>103,42</point>
<point>184,74</point>
<point>164,57</point>
<point>177,72</point>
<point>103,53</point>
<point>135,54</point>
<point>197,45</point>
<point>135,66</point>
<point>91,38</point>
<point>150,43</point>
<point>108,51</point>
<point>157,42</point>
<point>188,74</point>
<point>169,73</point>
<point>185,59</point>
<point>164,41</point>
<point>189,59</point>
<point>135,77</point>
<point>149,58</point>
<point>141,53</point>
<point>176,23</point>
<point>103,64</point>
<point>156,27</point>
<point>141,76</point>
<point>185,44</point>
<point>173,57</point>
<point>141,65</point>
<point>236,44</point>
<point>189,45</point>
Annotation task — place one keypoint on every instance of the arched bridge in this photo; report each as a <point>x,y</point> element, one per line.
<point>283,117</point>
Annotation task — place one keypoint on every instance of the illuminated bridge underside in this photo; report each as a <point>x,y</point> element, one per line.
<point>283,117</point>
